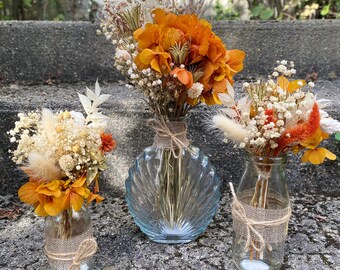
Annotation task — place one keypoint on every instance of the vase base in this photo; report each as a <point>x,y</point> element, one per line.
<point>175,235</point>
<point>171,240</point>
<point>247,264</point>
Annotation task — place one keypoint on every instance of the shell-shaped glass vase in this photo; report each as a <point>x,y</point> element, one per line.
<point>172,195</point>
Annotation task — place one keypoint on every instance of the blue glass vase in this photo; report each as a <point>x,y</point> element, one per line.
<point>172,195</point>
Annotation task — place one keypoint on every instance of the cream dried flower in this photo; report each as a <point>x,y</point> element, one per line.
<point>195,90</point>
<point>66,163</point>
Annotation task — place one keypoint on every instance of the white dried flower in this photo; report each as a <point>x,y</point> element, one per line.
<point>330,125</point>
<point>66,163</point>
<point>195,90</point>
<point>311,84</point>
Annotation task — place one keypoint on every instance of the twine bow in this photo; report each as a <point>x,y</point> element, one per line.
<point>163,131</point>
<point>239,212</point>
<point>86,249</point>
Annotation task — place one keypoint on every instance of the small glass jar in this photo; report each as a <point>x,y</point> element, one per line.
<point>264,197</point>
<point>64,234</point>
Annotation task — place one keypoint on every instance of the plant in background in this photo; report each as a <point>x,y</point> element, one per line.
<point>288,9</point>
<point>275,116</point>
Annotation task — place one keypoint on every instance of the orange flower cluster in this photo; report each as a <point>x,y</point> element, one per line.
<point>206,53</point>
<point>49,199</point>
<point>108,143</point>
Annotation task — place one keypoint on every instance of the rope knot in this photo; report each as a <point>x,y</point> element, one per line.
<point>170,135</point>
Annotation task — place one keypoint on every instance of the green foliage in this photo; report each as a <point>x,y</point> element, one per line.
<point>279,9</point>
<point>337,136</point>
<point>261,12</point>
<point>57,10</point>
<point>225,12</point>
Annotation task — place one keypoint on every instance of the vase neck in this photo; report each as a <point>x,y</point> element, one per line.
<point>170,135</point>
<point>266,161</point>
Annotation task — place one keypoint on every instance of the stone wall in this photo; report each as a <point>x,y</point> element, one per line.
<point>35,52</point>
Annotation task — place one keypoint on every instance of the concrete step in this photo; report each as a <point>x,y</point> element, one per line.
<point>128,113</point>
<point>35,52</point>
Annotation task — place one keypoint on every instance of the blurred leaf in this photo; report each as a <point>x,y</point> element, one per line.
<point>60,17</point>
<point>337,136</point>
<point>28,3</point>
<point>266,14</point>
<point>257,10</point>
<point>325,10</point>
<point>1,4</point>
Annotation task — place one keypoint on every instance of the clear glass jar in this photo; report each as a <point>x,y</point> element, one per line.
<point>172,195</point>
<point>63,235</point>
<point>264,195</point>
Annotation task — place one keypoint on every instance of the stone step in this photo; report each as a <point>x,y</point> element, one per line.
<point>129,113</point>
<point>36,52</point>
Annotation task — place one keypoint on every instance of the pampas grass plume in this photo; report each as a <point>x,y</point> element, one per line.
<point>231,129</point>
<point>48,123</point>
<point>42,168</point>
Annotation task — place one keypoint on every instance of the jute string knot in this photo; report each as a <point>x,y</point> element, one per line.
<point>253,226</point>
<point>86,249</point>
<point>170,135</point>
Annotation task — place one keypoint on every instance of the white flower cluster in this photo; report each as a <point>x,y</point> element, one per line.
<point>66,143</point>
<point>74,148</point>
<point>277,110</point>
<point>195,90</point>
<point>284,68</point>
<point>147,80</point>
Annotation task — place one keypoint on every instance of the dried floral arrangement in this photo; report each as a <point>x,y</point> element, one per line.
<point>63,154</point>
<point>277,116</point>
<point>173,57</point>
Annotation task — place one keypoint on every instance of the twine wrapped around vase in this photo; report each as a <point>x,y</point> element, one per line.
<point>72,252</point>
<point>259,225</point>
<point>170,135</point>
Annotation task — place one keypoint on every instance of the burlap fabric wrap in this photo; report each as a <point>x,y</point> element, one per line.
<point>170,135</point>
<point>69,254</point>
<point>261,227</point>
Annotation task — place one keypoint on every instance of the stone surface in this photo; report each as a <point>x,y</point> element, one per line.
<point>313,241</point>
<point>38,52</point>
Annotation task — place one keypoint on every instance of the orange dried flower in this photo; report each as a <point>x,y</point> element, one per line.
<point>108,143</point>
<point>300,132</point>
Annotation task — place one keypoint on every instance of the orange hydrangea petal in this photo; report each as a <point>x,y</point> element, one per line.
<point>330,155</point>
<point>158,15</point>
<point>283,82</point>
<point>40,211</point>
<point>76,201</point>
<point>137,33</point>
<point>220,87</point>
<point>184,76</point>
<point>294,85</point>
<point>154,64</point>
<point>81,191</point>
<point>212,99</point>
<point>146,56</point>
<point>314,156</point>
<point>50,189</point>
<point>66,201</point>
<point>96,197</point>
<point>79,182</point>
<point>169,38</point>
<point>235,61</point>
<point>27,193</point>
<point>53,207</point>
